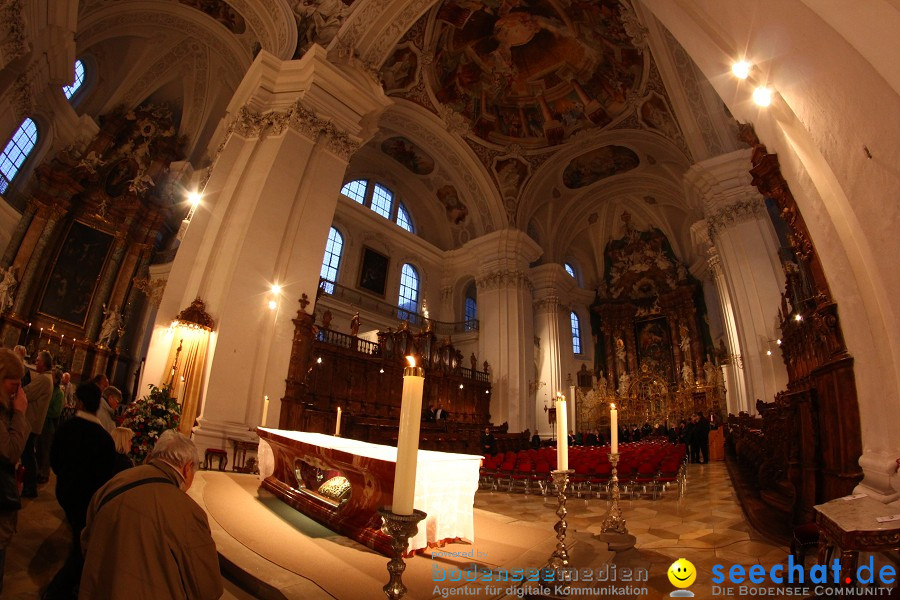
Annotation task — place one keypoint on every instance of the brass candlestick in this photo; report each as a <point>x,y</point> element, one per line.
<point>614,522</point>
<point>399,528</point>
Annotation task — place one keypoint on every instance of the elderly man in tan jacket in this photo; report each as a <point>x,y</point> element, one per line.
<point>38,392</point>
<point>145,538</point>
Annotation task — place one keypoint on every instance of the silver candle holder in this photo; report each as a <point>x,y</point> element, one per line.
<point>560,557</point>
<point>614,523</point>
<point>399,528</point>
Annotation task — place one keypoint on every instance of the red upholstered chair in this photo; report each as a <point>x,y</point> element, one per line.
<point>522,476</point>
<point>541,476</point>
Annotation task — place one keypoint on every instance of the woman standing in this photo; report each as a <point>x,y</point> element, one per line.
<point>14,430</point>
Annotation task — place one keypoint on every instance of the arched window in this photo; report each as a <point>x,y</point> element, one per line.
<point>382,201</point>
<point>576,333</point>
<point>16,151</point>
<point>70,90</point>
<point>332,260</point>
<point>570,270</point>
<point>471,313</point>
<point>409,289</point>
<point>356,190</point>
<point>403,219</point>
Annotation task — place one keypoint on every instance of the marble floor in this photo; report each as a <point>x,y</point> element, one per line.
<point>705,527</point>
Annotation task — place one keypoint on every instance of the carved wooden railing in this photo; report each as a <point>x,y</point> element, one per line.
<point>386,309</point>
<point>330,369</point>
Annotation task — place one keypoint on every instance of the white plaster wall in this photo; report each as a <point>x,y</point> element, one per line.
<point>832,101</point>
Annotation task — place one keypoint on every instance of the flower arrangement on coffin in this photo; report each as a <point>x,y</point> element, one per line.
<point>148,418</point>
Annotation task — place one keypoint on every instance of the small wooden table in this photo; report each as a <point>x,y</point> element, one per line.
<point>851,526</point>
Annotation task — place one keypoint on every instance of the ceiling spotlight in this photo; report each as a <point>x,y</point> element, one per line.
<point>276,289</point>
<point>319,361</point>
<point>762,96</point>
<point>798,317</point>
<point>194,199</point>
<point>778,341</point>
<point>768,353</point>
<point>741,69</point>
<point>460,386</point>
<point>272,305</point>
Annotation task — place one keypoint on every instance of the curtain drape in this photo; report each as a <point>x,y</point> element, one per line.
<point>184,371</point>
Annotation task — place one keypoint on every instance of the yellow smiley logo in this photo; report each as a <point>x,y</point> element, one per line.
<point>682,573</point>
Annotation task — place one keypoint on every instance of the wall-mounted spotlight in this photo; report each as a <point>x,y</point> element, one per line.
<point>762,96</point>
<point>741,69</point>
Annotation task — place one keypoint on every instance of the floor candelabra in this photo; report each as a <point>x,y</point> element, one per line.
<point>613,529</point>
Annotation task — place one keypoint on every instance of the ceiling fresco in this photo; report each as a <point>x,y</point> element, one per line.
<point>599,164</point>
<point>533,72</point>
<point>408,154</point>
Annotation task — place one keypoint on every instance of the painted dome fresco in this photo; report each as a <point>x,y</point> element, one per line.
<point>534,72</point>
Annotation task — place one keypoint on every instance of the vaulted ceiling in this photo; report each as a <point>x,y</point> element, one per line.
<point>553,116</point>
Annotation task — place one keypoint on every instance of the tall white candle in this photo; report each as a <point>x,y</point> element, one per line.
<point>614,428</point>
<point>408,439</point>
<point>562,434</point>
<point>572,400</point>
<point>265,411</point>
<point>337,423</point>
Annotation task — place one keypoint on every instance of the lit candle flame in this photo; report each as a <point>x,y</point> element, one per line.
<point>612,405</point>
<point>411,360</point>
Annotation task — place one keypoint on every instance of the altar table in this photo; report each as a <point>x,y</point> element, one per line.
<point>850,524</point>
<point>445,485</point>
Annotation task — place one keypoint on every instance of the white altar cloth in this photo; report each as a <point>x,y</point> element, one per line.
<point>445,483</point>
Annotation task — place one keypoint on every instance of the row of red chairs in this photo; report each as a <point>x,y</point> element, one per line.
<point>649,467</point>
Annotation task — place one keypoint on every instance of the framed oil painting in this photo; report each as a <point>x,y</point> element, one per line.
<point>373,271</point>
<point>69,290</point>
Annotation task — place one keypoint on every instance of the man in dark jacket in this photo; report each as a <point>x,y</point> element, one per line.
<point>83,456</point>
<point>145,537</point>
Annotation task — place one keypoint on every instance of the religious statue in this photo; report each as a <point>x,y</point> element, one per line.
<point>354,325</point>
<point>474,362</point>
<point>709,371</point>
<point>687,374</point>
<point>7,288</point>
<point>624,383</point>
<point>602,385</point>
<point>685,343</point>
<point>486,366</point>
<point>620,354</point>
<point>112,322</point>
<point>326,319</point>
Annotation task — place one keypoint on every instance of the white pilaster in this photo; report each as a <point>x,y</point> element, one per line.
<point>267,208</point>
<point>507,329</point>
<point>747,248</point>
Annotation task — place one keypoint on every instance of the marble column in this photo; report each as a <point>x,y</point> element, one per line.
<point>31,253</point>
<point>111,271</point>
<point>747,249</point>
<point>506,322</point>
<point>264,218</point>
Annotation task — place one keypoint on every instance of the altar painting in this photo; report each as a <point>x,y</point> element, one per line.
<point>70,288</point>
<point>654,346</point>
